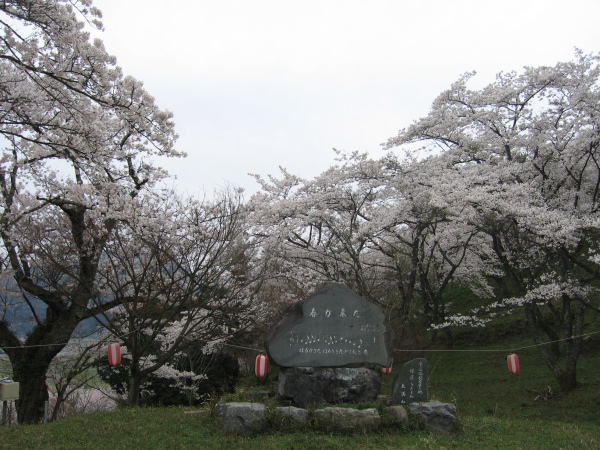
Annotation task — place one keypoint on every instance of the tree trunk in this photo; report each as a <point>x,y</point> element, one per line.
<point>33,391</point>
<point>135,383</point>
<point>60,398</point>
<point>568,379</point>
<point>449,337</point>
<point>567,376</point>
<point>32,360</point>
<point>573,322</point>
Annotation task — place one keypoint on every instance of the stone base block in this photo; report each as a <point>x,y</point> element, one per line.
<point>242,418</point>
<point>436,416</point>
<point>347,419</point>
<point>308,387</point>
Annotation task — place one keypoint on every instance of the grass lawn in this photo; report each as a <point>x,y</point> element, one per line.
<point>157,428</point>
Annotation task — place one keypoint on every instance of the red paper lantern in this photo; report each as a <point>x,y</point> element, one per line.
<point>114,354</point>
<point>513,363</point>
<point>386,370</point>
<point>262,366</point>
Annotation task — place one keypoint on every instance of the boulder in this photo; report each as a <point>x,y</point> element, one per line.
<point>436,416</point>
<point>242,418</point>
<point>309,387</point>
<point>347,419</point>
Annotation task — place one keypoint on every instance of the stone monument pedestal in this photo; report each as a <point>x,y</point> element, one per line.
<point>312,386</point>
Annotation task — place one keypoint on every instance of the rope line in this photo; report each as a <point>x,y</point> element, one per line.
<point>244,348</point>
<point>501,350</point>
<point>119,336</point>
<point>396,350</point>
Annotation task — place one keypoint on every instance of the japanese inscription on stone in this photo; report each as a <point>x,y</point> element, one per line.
<point>332,328</point>
<point>410,384</point>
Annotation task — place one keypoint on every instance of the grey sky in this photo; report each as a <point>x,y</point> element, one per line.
<point>258,84</point>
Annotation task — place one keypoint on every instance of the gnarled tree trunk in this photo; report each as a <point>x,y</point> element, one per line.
<point>563,365</point>
<point>33,390</point>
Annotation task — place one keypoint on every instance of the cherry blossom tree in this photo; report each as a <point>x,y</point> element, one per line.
<point>422,249</point>
<point>180,279</point>
<point>316,227</point>
<point>73,371</point>
<point>77,136</point>
<point>521,164</point>
<point>367,223</point>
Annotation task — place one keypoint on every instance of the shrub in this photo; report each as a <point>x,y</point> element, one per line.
<point>220,372</point>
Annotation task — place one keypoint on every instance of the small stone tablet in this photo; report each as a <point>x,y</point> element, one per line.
<point>410,384</point>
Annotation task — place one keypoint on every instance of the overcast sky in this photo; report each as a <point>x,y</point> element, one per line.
<point>258,84</point>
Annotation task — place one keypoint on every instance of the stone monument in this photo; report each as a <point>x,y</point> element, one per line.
<point>410,384</point>
<point>330,348</point>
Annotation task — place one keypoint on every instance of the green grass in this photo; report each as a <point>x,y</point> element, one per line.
<point>156,428</point>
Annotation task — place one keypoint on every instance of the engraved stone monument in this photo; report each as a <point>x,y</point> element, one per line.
<point>410,384</point>
<point>330,348</point>
<point>332,328</point>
